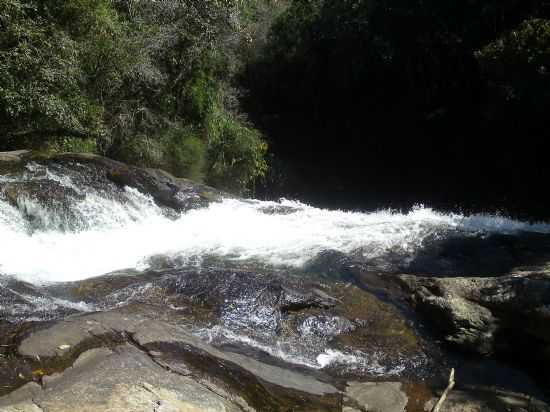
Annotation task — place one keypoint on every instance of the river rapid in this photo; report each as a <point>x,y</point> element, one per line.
<point>281,278</point>
<point>93,230</point>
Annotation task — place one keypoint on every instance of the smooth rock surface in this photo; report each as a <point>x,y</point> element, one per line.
<point>130,351</point>
<point>75,331</point>
<point>378,396</point>
<point>114,381</point>
<point>14,156</point>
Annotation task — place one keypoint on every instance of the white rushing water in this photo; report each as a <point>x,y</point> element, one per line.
<point>114,235</point>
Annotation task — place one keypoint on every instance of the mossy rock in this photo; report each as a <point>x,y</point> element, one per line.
<point>383,326</point>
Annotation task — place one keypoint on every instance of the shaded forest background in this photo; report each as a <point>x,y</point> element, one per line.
<point>348,103</point>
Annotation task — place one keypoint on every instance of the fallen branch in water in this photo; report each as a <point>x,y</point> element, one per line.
<point>450,386</point>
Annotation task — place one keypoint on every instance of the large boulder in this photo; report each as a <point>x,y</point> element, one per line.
<point>176,193</point>
<point>52,185</point>
<point>125,379</point>
<point>486,315</point>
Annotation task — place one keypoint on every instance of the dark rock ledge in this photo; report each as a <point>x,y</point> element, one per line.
<point>487,315</point>
<point>89,169</point>
<point>126,360</point>
<point>132,360</point>
<point>169,191</point>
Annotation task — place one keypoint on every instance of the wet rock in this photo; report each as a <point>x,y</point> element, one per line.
<point>46,204</point>
<point>481,255</point>
<point>14,156</point>
<point>22,301</point>
<point>35,181</point>
<point>463,322</point>
<point>125,380</point>
<point>74,332</point>
<point>488,400</point>
<point>377,396</point>
<point>322,326</point>
<point>380,327</point>
<point>158,355</point>
<point>291,318</point>
<point>140,357</point>
<point>176,193</point>
<point>235,297</point>
<point>486,314</point>
<point>452,254</point>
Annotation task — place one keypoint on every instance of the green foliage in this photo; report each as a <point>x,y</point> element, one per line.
<point>140,149</point>
<point>412,58</point>
<point>201,96</point>
<point>518,63</point>
<point>71,144</point>
<point>352,67</point>
<point>140,78</point>
<point>236,152</point>
<point>185,153</point>
<point>39,79</point>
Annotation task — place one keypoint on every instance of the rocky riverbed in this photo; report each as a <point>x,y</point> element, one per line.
<point>106,304</point>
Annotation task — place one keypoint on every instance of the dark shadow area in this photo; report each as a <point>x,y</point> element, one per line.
<point>492,255</point>
<point>391,103</point>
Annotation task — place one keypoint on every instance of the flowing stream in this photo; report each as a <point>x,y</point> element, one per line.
<point>65,224</point>
<point>93,233</point>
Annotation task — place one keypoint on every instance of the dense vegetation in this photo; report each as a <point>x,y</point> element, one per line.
<point>405,100</point>
<point>398,100</point>
<point>147,82</point>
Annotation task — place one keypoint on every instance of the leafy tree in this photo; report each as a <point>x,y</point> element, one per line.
<point>517,66</point>
<point>394,90</point>
<point>148,82</point>
<point>39,80</point>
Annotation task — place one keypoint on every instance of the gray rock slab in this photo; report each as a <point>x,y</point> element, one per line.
<point>14,156</point>
<point>378,396</point>
<point>118,381</point>
<point>163,332</point>
<point>76,330</point>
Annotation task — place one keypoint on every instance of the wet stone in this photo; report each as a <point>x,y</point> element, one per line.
<point>126,380</point>
<point>378,396</point>
<point>325,326</point>
<point>295,320</point>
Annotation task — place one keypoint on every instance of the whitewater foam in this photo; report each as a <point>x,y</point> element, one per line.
<point>111,235</point>
<point>315,355</point>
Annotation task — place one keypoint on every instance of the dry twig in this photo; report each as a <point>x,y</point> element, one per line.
<point>450,386</point>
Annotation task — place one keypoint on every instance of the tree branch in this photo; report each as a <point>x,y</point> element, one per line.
<point>445,393</point>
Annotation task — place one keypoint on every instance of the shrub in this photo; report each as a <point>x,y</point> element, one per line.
<point>236,153</point>
<point>71,144</point>
<point>184,153</point>
<point>149,81</point>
